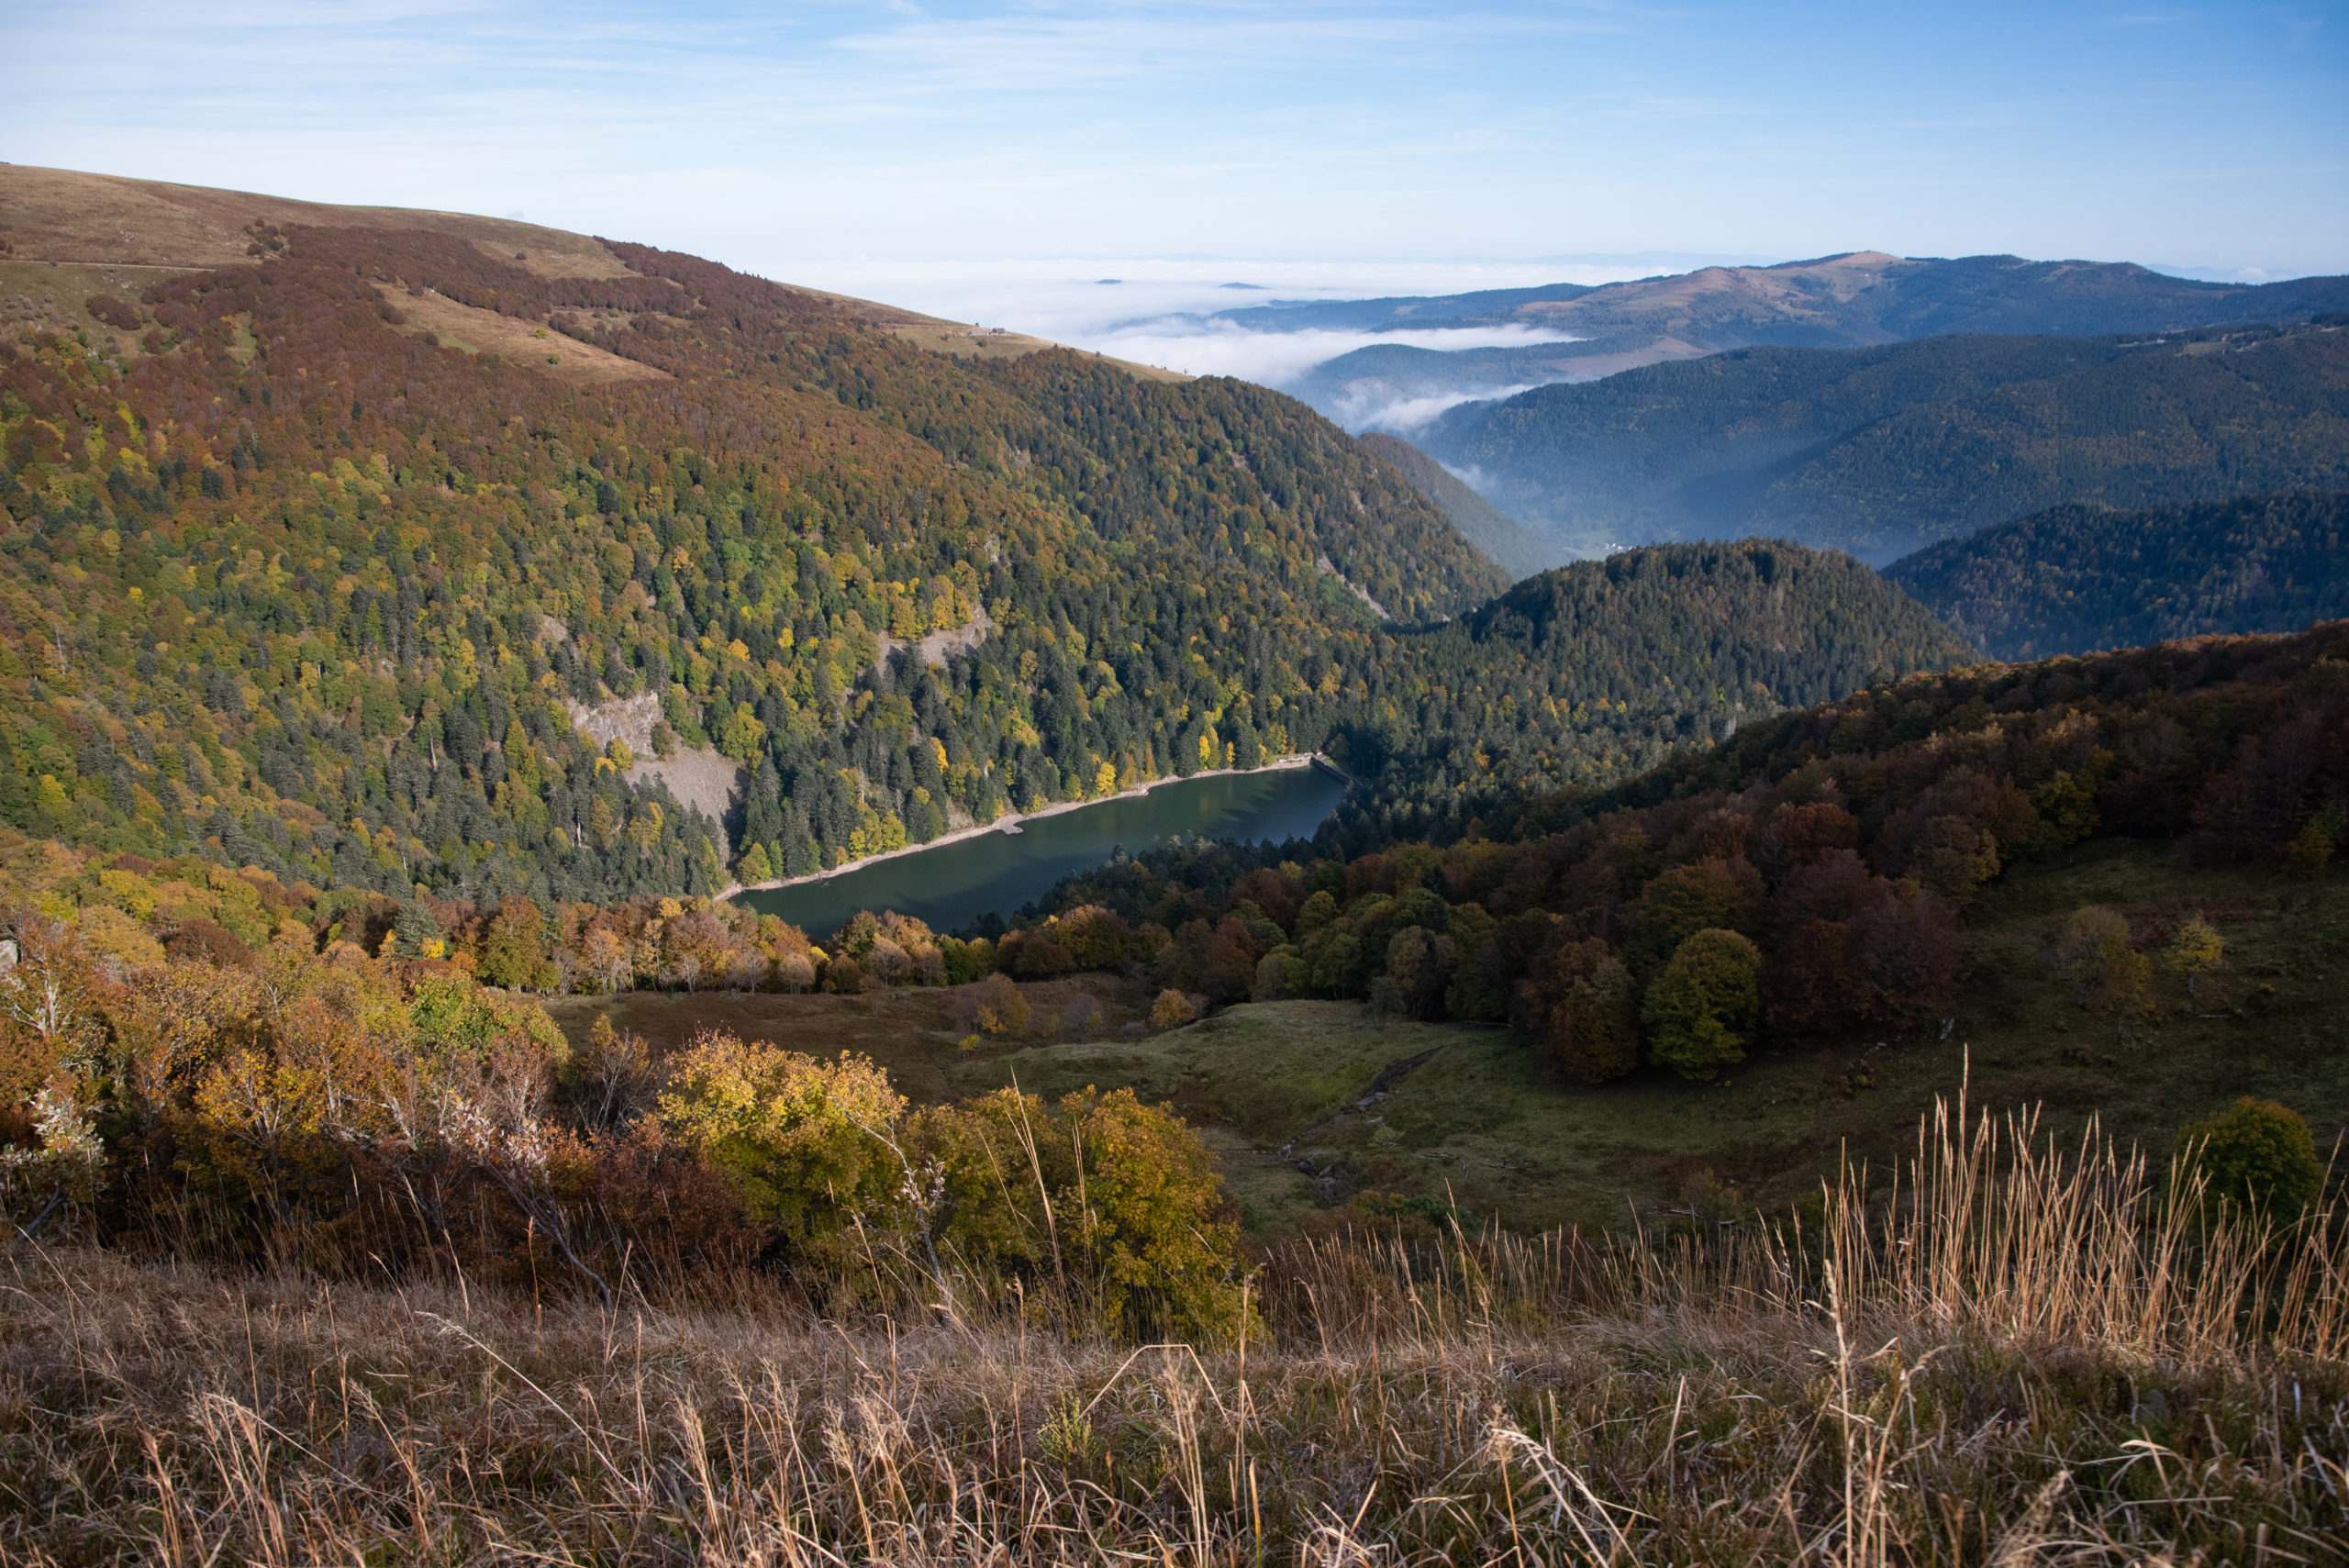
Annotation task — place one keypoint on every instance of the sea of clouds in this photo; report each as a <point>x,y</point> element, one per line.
<point>1167,312</point>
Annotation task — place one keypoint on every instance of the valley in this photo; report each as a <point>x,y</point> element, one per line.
<point>654,914</point>
<point>1880,452</point>
<point>1321,1113</point>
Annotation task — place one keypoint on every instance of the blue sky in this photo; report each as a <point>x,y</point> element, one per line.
<point>791,138</point>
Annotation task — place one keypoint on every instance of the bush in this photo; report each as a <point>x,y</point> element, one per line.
<point>2256,1154</point>
<point>1701,1011</point>
<point>998,1007</point>
<point>2196,951</point>
<point>1172,1010</point>
<point>1120,1204</point>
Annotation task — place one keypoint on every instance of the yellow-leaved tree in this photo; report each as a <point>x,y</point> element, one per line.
<point>1114,1201</point>
<point>812,1144</point>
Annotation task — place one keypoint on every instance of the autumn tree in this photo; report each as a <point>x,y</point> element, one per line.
<point>1711,895</point>
<point>1117,1208</point>
<point>808,1141</point>
<point>1701,1011</point>
<point>2107,972</point>
<point>2255,1155</point>
<point>1172,1010</point>
<point>513,950</point>
<point>1579,1007</point>
<point>612,1082</point>
<point>999,1006</point>
<point>2195,950</point>
<point>1851,947</point>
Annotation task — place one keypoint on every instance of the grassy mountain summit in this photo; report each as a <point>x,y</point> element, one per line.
<point>1880,450</point>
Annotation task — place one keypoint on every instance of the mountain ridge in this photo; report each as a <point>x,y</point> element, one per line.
<point>2079,578</point>
<point>1858,299</point>
<point>1883,449</point>
<point>73,218</point>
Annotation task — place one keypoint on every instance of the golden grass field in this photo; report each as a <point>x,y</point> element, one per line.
<point>2016,1352</point>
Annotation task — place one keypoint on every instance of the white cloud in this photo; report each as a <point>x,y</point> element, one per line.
<point>1278,359</point>
<point>1159,311</point>
<point>1065,297</point>
<point>1374,406</point>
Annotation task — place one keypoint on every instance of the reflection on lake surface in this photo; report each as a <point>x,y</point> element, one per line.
<point>953,884</point>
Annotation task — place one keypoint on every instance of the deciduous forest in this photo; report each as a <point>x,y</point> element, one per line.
<point>293,585</point>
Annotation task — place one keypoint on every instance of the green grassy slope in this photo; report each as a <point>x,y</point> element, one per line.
<point>1469,1119</point>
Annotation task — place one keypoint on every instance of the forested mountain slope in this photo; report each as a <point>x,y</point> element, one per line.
<point>291,575</point>
<point>313,563</point>
<point>1878,451</point>
<point>1516,550</point>
<point>1603,668</point>
<point>2082,577</point>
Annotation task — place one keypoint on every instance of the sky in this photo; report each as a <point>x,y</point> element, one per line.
<point>991,160</point>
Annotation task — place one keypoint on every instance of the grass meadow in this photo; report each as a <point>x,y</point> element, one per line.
<point>2010,1349</point>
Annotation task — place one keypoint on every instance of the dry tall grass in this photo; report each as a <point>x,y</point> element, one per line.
<point>2009,1356</point>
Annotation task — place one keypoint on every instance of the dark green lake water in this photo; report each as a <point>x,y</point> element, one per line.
<point>953,884</point>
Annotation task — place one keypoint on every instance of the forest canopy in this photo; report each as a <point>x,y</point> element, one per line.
<point>291,582</point>
<point>2082,577</point>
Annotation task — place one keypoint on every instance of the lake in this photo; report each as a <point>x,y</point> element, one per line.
<point>953,884</point>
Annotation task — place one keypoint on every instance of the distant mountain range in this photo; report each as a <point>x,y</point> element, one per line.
<point>2079,578</point>
<point>1863,299</point>
<point>1857,298</point>
<point>1881,450</point>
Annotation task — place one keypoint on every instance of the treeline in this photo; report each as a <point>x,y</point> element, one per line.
<point>1805,877</point>
<point>1882,449</point>
<point>2082,577</point>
